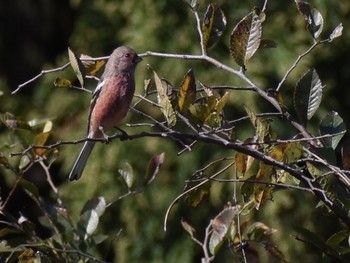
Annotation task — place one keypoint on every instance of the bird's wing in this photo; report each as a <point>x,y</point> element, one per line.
<point>95,97</point>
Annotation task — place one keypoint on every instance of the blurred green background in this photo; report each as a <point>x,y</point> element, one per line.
<point>34,35</point>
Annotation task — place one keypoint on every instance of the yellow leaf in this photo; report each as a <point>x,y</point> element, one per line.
<point>187,91</point>
<point>62,83</point>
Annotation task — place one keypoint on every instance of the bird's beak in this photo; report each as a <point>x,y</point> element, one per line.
<point>137,59</point>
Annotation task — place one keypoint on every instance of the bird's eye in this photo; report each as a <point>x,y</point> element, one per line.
<point>127,55</point>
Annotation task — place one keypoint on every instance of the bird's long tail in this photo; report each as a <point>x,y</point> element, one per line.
<point>80,163</point>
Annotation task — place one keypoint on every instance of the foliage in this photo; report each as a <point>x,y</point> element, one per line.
<point>248,161</point>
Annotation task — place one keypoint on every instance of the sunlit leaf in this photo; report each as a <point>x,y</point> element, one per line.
<point>334,126</point>
<point>92,223</point>
<point>337,32</point>
<point>98,204</point>
<point>77,67</point>
<point>243,161</point>
<point>312,16</point>
<point>223,225</point>
<point>164,102</point>
<point>27,256</point>
<point>213,25</point>
<point>313,170</point>
<point>128,175</point>
<point>101,206</point>
<point>286,152</point>
<point>40,140</point>
<point>62,83</point>
<point>189,229</point>
<point>245,39</point>
<point>307,95</point>
<point>94,215</point>
<point>25,161</point>
<point>153,167</point>
<point>262,191</point>
<point>91,67</point>
<point>187,91</point>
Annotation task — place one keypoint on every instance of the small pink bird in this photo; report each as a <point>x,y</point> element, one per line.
<point>111,101</point>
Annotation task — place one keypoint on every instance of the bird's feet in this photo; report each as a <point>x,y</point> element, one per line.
<point>123,136</point>
<point>105,136</point>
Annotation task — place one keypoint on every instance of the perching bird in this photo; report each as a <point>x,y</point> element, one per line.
<point>111,101</point>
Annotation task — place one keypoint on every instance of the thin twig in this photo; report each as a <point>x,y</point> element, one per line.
<point>49,180</point>
<point>296,62</point>
<point>190,190</point>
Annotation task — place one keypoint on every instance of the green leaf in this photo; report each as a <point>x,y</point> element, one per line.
<point>77,67</point>
<point>245,39</point>
<point>293,152</point>
<point>309,237</point>
<point>334,126</point>
<point>153,168</point>
<point>31,189</point>
<point>259,231</point>
<point>163,100</point>
<point>307,95</point>
<point>208,109</point>
<point>337,238</point>
<point>4,232</point>
<point>128,175</point>
<point>326,153</point>
<point>251,115</point>
<point>337,32</point>
<point>200,193</point>
<point>187,91</point>
<point>223,226</point>
<point>4,160</point>
<point>247,189</point>
<point>312,16</point>
<point>213,25</point>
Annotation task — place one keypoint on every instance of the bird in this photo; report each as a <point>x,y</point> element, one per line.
<point>110,102</point>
